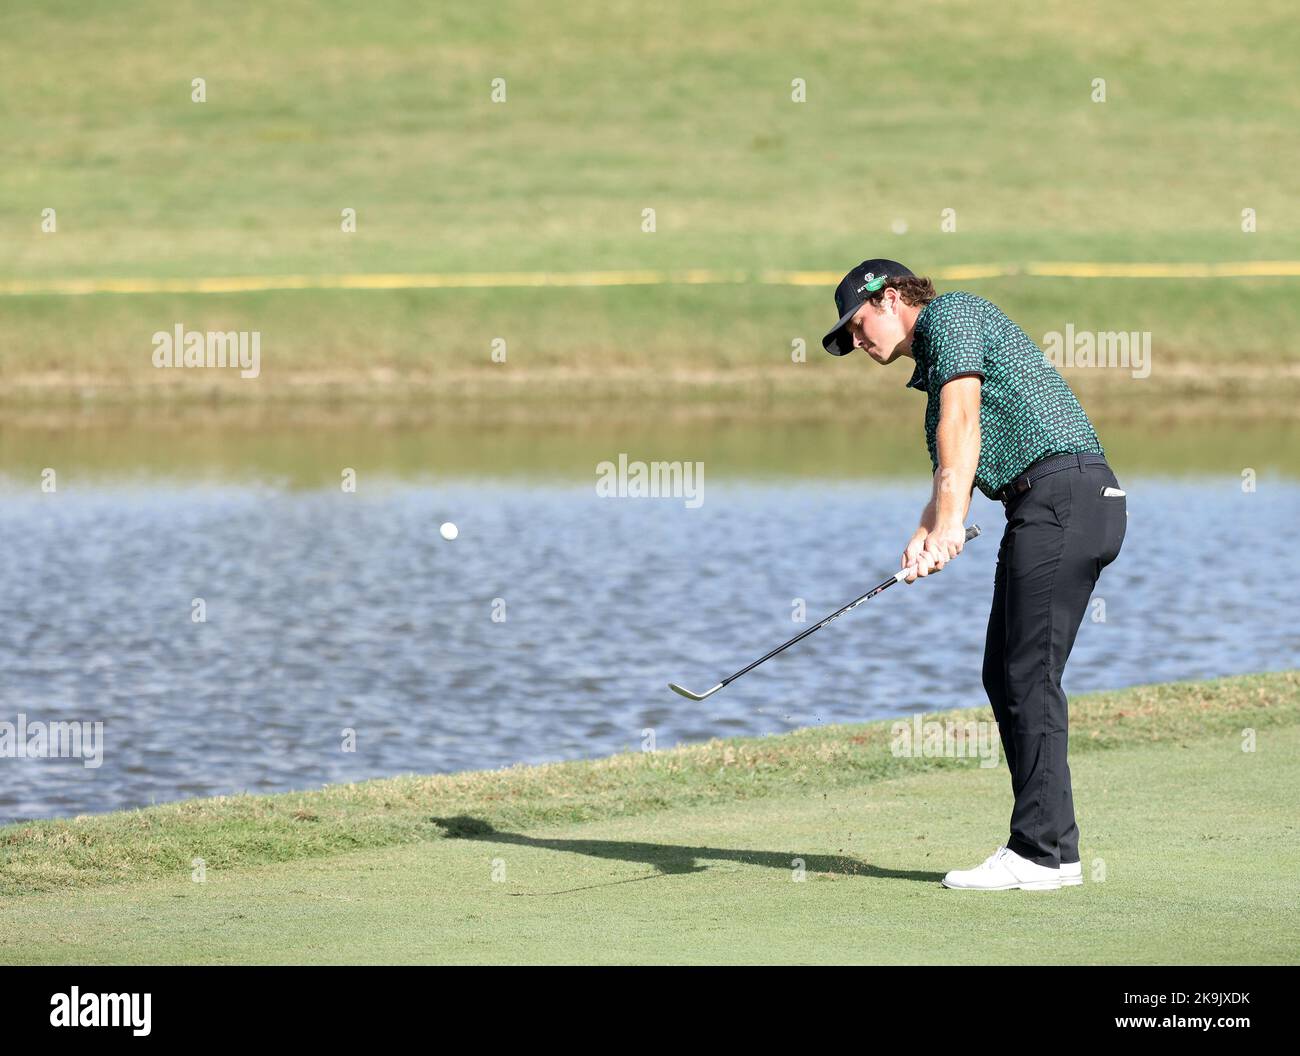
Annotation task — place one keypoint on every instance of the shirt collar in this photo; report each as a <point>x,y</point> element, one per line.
<point>918,377</point>
<point>921,350</point>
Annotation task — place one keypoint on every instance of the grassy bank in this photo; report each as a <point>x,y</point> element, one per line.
<point>689,855</point>
<point>1218,351</point>
<point>314,108</point>
<point>239,831</point>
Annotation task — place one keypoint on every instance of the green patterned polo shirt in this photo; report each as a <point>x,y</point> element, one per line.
<point>1027,410</point>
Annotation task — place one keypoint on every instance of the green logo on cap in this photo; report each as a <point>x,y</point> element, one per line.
<point>874,282</point>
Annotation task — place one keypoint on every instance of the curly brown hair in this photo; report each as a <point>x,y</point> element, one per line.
<point>914,289</point>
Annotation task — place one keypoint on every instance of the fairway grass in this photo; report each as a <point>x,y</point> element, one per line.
<point>1190,850</point>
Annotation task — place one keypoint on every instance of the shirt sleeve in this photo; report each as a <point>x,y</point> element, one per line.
<point>959,345</point>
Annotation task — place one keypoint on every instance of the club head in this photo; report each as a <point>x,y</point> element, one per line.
<point>693,696</point>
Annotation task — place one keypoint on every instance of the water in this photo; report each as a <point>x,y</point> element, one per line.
<point>328,612</point>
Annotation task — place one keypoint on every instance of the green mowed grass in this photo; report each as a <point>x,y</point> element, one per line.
<point>687,110</point>
<point>691,855</point>
<point>312,107</point>
<point>1190,853</point>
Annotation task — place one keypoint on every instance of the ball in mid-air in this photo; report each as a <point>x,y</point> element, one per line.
<point>449,530</point>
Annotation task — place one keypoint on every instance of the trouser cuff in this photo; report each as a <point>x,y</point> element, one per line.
<point>1032,853</point>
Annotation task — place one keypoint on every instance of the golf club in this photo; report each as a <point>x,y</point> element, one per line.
<point>897,577</point>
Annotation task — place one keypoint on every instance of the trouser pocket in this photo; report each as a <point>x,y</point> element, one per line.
<point>1112,502</point>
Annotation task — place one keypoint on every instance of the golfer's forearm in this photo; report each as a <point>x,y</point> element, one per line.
<point>958,442</point>
<point>927,517</point>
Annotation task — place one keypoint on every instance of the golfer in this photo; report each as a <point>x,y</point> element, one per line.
<point>999,417</point>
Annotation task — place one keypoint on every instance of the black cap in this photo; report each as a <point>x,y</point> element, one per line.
<point>852,293</point>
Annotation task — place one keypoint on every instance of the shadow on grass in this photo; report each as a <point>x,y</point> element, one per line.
<point>670,859</point>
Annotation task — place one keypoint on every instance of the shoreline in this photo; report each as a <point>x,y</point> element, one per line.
<point>239,831</point>
<point>306,444</point>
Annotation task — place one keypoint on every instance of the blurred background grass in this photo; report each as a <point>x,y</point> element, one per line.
<point>611,109</point>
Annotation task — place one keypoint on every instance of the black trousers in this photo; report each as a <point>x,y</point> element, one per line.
<point>1060,534</point>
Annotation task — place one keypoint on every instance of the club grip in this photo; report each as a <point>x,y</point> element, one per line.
<point>972,532</point>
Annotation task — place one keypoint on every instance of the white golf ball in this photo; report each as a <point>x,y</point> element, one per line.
<point>449,531</point>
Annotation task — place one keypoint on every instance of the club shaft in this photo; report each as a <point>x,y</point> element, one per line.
<point>816,627</point>
<point>971,532</point>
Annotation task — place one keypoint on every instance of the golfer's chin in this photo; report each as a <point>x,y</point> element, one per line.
<point>882,357</point>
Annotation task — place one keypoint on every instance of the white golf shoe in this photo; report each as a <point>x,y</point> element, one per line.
<point>1004,870</point>
<point>1071,874</point>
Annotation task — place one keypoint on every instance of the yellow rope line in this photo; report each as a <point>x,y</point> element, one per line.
<point>693,277</point>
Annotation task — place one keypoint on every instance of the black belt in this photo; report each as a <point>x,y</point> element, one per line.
<point>1044,466</point>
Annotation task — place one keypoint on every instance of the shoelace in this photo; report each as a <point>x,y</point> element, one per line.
<point>992,860</point>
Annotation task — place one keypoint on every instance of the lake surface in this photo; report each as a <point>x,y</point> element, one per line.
<point>329,611</point>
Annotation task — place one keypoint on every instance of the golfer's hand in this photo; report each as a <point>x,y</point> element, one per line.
<point>916,559</point>
<point>945,543</point>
